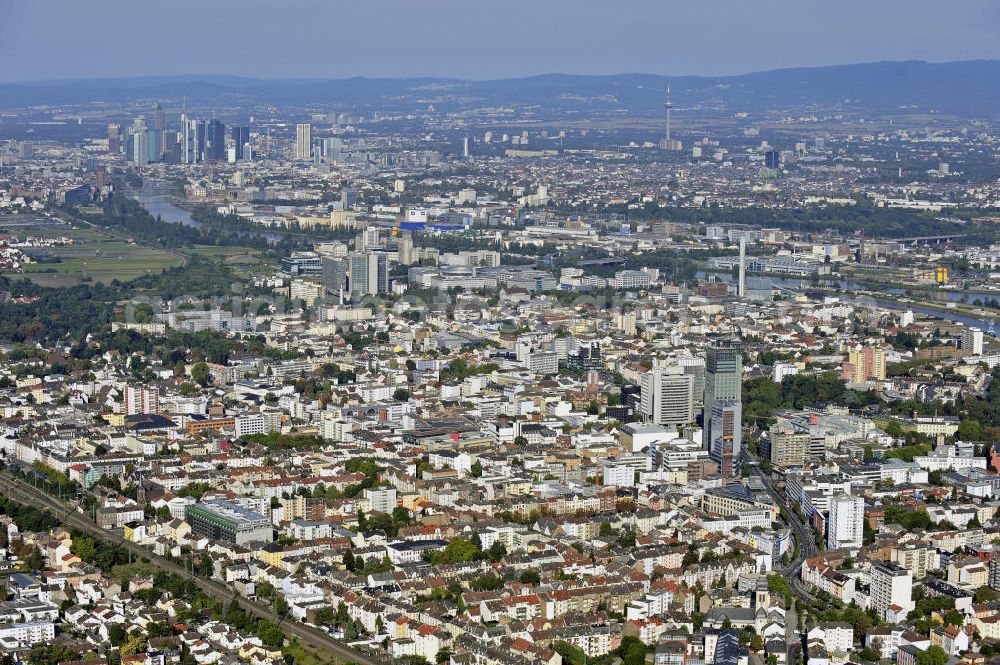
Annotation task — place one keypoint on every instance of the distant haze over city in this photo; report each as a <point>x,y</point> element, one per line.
<point>65,39</point>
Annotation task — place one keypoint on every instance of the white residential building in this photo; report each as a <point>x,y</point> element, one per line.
<point>846,524</point>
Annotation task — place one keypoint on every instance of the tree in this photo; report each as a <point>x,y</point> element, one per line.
<point>497,551</point>
<point>531,577</point>
<point>986,595</point>
<point>477,469</point>
<point>487,583</point>
<point>458,550</point>
<point>84,548</point>
<point>632,651</point>
<point>117,635</point>
<point>324,616</point>
<point>200,373</point>
<point>135,643</point>
<point>970,430</point>
<point>270,634</point>
<point>401,394</point>
<point>349,562</point>
<point>756,643</point>
<point>870,655</point>
<point>935,655</point>
<point>570,654</point>
<point>51,654</point>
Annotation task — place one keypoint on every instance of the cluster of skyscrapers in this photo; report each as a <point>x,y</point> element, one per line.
<point>326,150</point>
<point>669,396</point>
<point>196,141</point>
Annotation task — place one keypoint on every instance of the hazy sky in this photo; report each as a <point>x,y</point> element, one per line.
<point>52,39</point>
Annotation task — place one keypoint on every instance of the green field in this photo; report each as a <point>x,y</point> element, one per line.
<point>95,254</point>
<point>307,656</point>
<point>229,255</point>
<point>244,261</point>
<point>103,257</point>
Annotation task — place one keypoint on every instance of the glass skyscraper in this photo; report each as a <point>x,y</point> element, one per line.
<point>723,424</point>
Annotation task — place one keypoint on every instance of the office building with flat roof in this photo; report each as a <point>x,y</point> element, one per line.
<point>223,520</point>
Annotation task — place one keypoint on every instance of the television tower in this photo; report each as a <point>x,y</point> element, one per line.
<point>668,105</point>
<point>668,142</point>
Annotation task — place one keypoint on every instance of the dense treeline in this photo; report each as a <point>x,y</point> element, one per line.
<point>53,313</point>
<point>85,308</point>
<point>862,216</point>
<point>28,518</point>
<point>980,415</point>
<point>289,237</point>
<point>128,216</point>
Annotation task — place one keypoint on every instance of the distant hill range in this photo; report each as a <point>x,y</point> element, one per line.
<point>968,88</point>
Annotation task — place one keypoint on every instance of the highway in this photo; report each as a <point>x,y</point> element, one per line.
<point>309,636</point>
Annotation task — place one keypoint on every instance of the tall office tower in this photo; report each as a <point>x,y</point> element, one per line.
<point>303,141</point>
<point>334,274</point>
<point>241,137</point>
<point>723,383</point>
<point>215,141</point>
<point>695,366</point>
<point>201,136</point>
<point>972,341</point>
<point>845,528</point>
<point>193,141</point>
<point>772,159</point>
<point>741,287</point>
<point>114,138</point>
<point>367,273</point>
<point>158,118</point>
<point>187,139</point>
<point>405,249</point>
<point>378,272</point>
<point>726,431</point>
<point>331,149</point>
<point>136,142</point>
<point>465,147</point>
<point>138,148</point>
<point>154,144</point>
<point>667,396</point>
<point>348,198</point>
<point>171,146</point>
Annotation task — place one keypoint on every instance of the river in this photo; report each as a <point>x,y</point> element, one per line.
<point>804,285</point>
<point>157,201</point>
<point>157,198</point>
<point>798,284</point>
